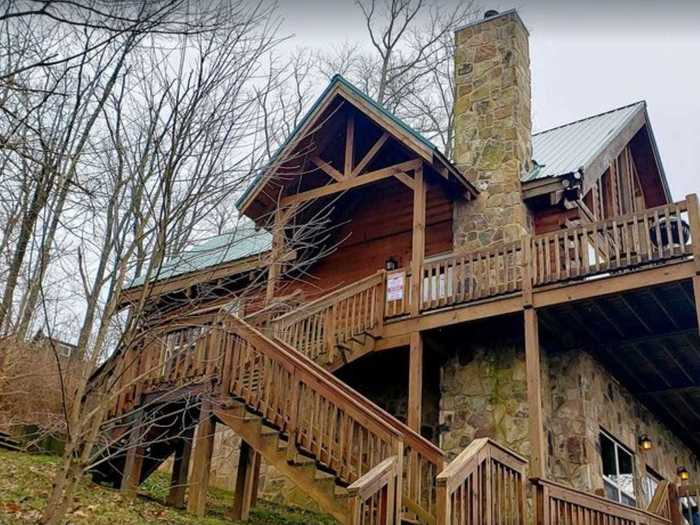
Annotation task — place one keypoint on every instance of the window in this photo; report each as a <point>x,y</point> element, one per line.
<point>650,482</point>
<point>176,344</point>
<point>618,470</point>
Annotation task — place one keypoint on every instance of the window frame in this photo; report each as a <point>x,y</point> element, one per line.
<point>650,474</point>
<point>612,482</point>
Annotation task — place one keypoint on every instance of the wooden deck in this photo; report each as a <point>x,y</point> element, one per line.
<point>601,258</point>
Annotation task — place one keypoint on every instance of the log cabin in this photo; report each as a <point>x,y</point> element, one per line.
<point>507,336</point>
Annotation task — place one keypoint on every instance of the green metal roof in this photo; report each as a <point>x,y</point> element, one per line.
<point>568,148</point>
<point>240,243</point>
<point>337,80</point>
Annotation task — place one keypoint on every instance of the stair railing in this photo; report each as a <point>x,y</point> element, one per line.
<point>422,460</point>
<point>374,495</point>
<point>319,327</point>
<point>297,396</point>
<point>484,485</point>
<point>557,504</point>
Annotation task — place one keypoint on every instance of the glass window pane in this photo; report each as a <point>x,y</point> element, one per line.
<point>611,491</point>
<point>607,452</point>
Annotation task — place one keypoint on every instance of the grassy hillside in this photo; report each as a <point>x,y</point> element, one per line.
<point>25,481</point>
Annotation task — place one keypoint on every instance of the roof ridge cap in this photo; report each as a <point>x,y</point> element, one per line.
<point>590,117</point>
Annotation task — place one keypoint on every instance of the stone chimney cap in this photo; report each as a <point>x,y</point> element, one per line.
<point>488,17</point>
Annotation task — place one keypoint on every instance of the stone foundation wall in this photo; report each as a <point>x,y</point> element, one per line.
<point>586,398</point>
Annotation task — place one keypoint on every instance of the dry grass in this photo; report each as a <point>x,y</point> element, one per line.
<point>25,481</point>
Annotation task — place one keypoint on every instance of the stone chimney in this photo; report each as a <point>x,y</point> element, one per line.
<point>493,131</point>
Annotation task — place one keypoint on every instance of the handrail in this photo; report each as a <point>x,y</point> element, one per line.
<point>467,276</point>
<point>336,295</point>
<point>422,460</point>
<point>556,502</point>
<point>484,485</point>
<point>317,329</point>
<point>612,244</point>
<point>659,503</point>
<point>374,495</point>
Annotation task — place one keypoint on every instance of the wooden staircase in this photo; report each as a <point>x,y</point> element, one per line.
<point>337,328</point>
<point>322,486</point>
<point>358,462</point>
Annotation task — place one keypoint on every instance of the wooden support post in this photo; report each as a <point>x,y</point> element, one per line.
<point>201,462</point>
<point>181,466</point>
<point>415,382</point>
<point>418,242</point>
<point>534,394</point>
<point>694,220</point>
<point>674,505</point>
<point>131,476</point>
<point>246,483</point>
<point>274,270</point>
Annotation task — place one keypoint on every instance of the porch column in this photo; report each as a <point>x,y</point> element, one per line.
<point>274,270</point>
<point>418,241</point>
<point>246,483</point>
<point>534,394</point>
<point>201,462</point>
<point>415,382</point>
<point>131,476</point>
<point>181,465</point>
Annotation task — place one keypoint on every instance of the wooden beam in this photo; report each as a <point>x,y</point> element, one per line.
<point>415,382</point>
<point>246,483</point>
<point>408,181</point>
<point>201,462</point>
<point>327,168</point>
<point>347,184</point>
<point>418,240</point>
<point>349,144</point>
<point>534,395</point>
<point>181,465</point>
<point>370,154</point>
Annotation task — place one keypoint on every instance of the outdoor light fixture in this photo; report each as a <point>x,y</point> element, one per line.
<point>645,443</point>
<point>683,473</point>
<point>391,264</point>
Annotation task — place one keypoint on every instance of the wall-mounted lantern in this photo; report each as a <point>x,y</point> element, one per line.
<point>683,473</point>
<point>645,443</point>
<point>391,264</point>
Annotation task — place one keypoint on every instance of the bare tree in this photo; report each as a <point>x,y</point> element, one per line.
<point>406,63</point>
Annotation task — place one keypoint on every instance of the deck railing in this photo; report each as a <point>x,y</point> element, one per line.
<point>484,485</point>
<point>463,277</point>
<point>557,504</point>
<point>614,245</point>
<point>317,328</point>
<point>621,243</point>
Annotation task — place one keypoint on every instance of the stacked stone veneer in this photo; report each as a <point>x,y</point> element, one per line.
<point>484,394</point>
<point>585,398</point>
<point>483,390</point>
<point>493,143</point>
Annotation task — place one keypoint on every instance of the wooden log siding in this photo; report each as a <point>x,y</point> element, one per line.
<point>614,244</point>
<point>374,495</point>
<point>317,328</point>
<point>463,277</point>
<point>484,485</point>
<point>557,504</point>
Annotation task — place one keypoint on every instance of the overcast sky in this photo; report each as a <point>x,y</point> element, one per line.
<point>587,57</point>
